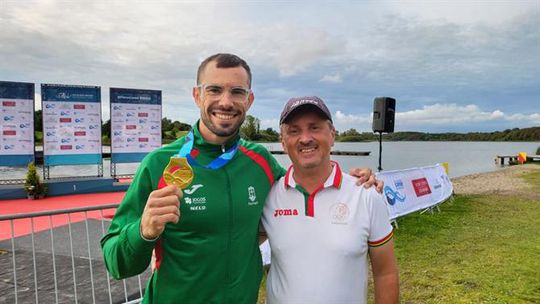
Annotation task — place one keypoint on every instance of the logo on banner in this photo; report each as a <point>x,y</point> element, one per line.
<point>62,95</point>
<point>421,186</point>
<point>393,195</point>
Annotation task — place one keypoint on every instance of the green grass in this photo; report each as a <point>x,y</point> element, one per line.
<point>478,249</point>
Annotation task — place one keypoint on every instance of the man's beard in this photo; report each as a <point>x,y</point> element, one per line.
<point>219,131</point>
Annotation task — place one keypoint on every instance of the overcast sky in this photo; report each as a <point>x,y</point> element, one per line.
<point>451,65</point>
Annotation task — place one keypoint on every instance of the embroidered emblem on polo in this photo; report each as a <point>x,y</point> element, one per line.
<point>339,213</point>
<point>193,188</point>
<point>252,196</point>
<point>285,212</point>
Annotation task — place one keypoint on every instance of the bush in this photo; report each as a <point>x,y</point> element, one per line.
<point>32,184</point>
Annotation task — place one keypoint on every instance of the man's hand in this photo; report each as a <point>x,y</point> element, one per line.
<point>162,207</point>
<point>366,177</point>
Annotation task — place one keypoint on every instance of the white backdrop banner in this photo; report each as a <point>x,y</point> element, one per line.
<point>135,123</point>
<point>71,124</point>
<point>410,190</point>
<point>16,123</point>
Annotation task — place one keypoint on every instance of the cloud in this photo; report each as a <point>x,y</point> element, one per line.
<point>336,78</point>
<point>347,52</point>
<point>439,116</point>
<point>448,114</point>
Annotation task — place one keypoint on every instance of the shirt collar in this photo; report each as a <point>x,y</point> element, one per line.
<point>334,180</point>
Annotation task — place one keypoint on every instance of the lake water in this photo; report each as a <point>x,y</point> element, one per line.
<point>463,157</point>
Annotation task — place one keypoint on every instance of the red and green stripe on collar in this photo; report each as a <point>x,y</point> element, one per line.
<point>309,198</point>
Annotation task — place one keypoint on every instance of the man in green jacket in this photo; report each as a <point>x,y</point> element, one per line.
<point>211,254</point>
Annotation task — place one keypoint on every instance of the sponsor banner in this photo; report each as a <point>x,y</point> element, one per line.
<point>414,189</point>
<point>16,123</point>
<point>71,124</point>
<point>135,124</point>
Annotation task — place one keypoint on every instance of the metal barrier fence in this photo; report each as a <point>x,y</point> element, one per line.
<point>55,257</point>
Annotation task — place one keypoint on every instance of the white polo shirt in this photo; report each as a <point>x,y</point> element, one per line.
<point>320,241</point>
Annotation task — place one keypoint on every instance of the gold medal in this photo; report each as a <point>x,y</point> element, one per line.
<point>182,176</point>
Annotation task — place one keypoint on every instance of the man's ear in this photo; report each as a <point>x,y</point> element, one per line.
<point>333,132</point>
<point>196,93</point>
<point>282,140</point>
<point>251,98</point>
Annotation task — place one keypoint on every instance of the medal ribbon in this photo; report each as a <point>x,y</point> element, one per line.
<point>217,163</point>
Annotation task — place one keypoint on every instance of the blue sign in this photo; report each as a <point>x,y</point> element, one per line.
<point>70,93</point>
<point>135,96</point>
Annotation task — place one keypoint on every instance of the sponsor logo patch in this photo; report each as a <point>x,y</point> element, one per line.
<point>285,212</point>
<point>421,186</point>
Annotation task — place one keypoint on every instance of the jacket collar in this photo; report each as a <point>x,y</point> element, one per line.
<point>203,146</point>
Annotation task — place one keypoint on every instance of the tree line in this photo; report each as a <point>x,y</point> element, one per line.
<point>251,130</point>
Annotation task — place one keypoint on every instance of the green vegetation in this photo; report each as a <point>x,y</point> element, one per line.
<point>478,249</point>
<point>251,130</point>
<point>527,134</point>
<point>33,186</point>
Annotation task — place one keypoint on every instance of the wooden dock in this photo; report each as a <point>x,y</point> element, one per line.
<point>349,153</point>
<point>533,158</point>
<point>501,159</point>
<point>513,159</point>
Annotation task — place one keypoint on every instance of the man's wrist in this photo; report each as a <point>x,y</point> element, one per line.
<point>144,238</point>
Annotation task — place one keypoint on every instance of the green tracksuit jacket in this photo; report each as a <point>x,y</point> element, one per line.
<point>211,255</point>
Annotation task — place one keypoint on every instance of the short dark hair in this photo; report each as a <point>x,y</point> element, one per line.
<point>224,60</point>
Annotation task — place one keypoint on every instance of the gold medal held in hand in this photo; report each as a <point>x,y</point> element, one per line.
<point>182,176</point>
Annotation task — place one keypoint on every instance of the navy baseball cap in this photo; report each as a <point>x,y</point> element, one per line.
<point>304,103</point>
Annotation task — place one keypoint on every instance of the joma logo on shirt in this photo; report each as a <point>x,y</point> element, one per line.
<point>285,212</point>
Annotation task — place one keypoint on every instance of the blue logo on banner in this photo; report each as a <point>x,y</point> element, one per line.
<point>9,147</point>
<point>398,183</point>
<point>131,139</point>
<point>117,133</point>
<point>93,127</point>
<point>24,125</point>
<point>392,196</point>
<point>129,114</point>
<point>49,106</point>
<point>154,127</point>
<point>117,108</point>
<point>65,113</point>
<point>9,118</point>
<point>79,119</point>
<point>65,140</point>
<point>79,147</point>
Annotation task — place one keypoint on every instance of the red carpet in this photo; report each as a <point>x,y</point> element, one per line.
<point>24,226</point>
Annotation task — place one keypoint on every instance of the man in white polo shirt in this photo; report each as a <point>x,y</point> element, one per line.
<point>321,226</point>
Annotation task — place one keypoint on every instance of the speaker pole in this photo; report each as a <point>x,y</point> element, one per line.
<point>380,152</point>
